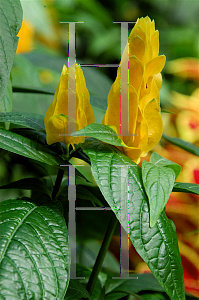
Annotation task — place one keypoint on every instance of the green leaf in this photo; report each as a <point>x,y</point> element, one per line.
<point>76,290</point>
<point>101,132</point>
<point>40,137</point>
<point>160,161</point>
<point>167,112</point>
<point>155,296</point>
<point>10,22</point>
<point>182,144</point>
<point>33,135</point>
<point>158,178</point>
<point>158,183</point>
<point>21,89</point>
<point>157,246</point>
<point>15,143</point>
<point>34,121</point>
<point>34,257</point>
<point>191,188</point>
<point>6,101</point>
<point>33,184</point>
<point>136,284</point>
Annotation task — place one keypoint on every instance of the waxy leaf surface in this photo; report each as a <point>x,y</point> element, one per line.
<point>157,246</point>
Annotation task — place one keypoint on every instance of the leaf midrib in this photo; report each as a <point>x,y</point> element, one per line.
<point>14,231</point>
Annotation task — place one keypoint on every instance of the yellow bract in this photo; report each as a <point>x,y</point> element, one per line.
<point>144,83</point>
<point>56,119</point>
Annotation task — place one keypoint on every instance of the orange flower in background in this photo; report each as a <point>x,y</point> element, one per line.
<point>56,119</point>
<point>184,67</point>
<point>26,37</point>
<point>187,118</point>
<point>145,81</point>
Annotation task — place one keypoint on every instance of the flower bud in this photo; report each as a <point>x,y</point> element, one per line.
<point>57,119</point>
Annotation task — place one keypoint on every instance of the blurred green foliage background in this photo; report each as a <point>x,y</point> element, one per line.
<point>97,41</point>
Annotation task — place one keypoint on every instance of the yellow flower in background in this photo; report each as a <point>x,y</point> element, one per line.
<point>144,85</point>
<point>56,119</point>
<point>26,37</point>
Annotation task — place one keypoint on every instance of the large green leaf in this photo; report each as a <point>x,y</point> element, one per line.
<point>18,144</point>
<point>158,183</point>
<point>34,121</point>
<point>10,23</point>
<point>158,246</point>
<point>34,255</point>
<point>101,132</point>
<point>182,144</point>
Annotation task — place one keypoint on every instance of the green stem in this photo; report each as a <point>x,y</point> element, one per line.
<point>101,255</point>
<point>57,185</point>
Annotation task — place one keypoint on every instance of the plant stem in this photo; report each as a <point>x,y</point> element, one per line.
<point>101,255</point>
<point>57,185</point>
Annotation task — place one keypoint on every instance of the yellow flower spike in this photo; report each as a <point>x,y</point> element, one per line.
<point>144,84</point>
<point>57,120</point>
